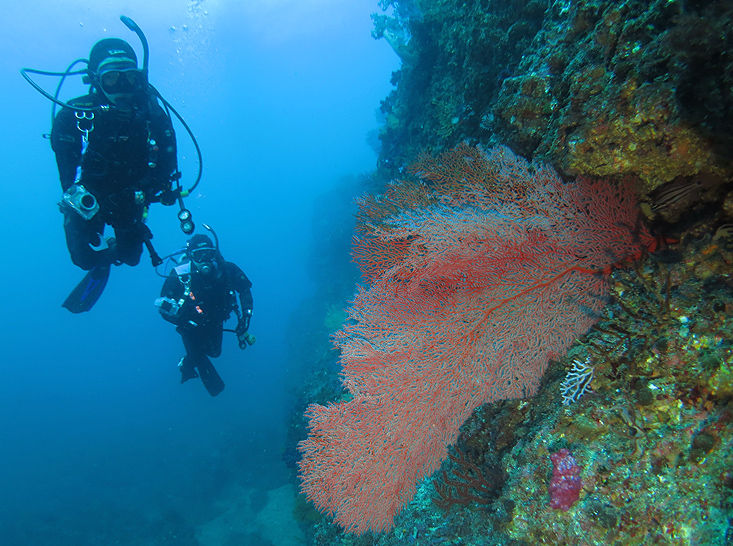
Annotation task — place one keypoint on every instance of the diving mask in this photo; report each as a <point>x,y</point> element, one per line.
<point>205,261</point>
<point>113,82</point>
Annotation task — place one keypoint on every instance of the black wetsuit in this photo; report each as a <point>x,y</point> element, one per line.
<point>130,159</point>
<point>200,320</point>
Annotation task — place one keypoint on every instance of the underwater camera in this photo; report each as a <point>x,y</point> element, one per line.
<point>168,307</point>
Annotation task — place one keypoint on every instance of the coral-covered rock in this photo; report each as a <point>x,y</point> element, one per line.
<point>620,78</point>
<point>597,87</point>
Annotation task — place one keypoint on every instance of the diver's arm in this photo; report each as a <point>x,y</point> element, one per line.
<point>66,143</point>
<point>246,303</point>
<point>243,286</point>
<point>166,155</point>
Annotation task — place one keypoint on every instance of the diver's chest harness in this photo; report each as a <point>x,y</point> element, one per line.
<point>137,127</point>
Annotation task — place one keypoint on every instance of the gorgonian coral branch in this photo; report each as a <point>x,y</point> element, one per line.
<point>495,268</point>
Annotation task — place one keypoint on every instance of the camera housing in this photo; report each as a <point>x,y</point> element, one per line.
<point>81,201</point>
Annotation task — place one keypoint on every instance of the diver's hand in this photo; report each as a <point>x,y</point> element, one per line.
<point>245,339</point>
<point>168,197</point>
<point>243,336</point>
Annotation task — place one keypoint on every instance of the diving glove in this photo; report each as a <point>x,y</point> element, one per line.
<point>245,338</point>
<point>168,197</point>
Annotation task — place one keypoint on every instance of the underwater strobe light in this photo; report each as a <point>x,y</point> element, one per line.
<point>187,225</point>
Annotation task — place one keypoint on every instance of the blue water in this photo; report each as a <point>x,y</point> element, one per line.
<point>99,443</point>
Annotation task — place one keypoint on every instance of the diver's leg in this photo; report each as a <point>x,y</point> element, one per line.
<point>192,344</point>
<point>196,343</point>
<point>80,234</point>
<point>209,376</point>
<point>187,368</point>
<point>129,242</point>
<point>214,339</point>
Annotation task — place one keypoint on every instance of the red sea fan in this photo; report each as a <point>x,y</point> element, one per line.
<point>497,268</point>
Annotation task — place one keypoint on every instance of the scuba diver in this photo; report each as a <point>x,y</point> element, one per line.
<point>198,296</point>
<point>116,154</point>
<point>126,155</point>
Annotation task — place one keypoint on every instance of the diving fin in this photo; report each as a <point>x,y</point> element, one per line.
<point>209,376</point>
<point>88,291</point>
